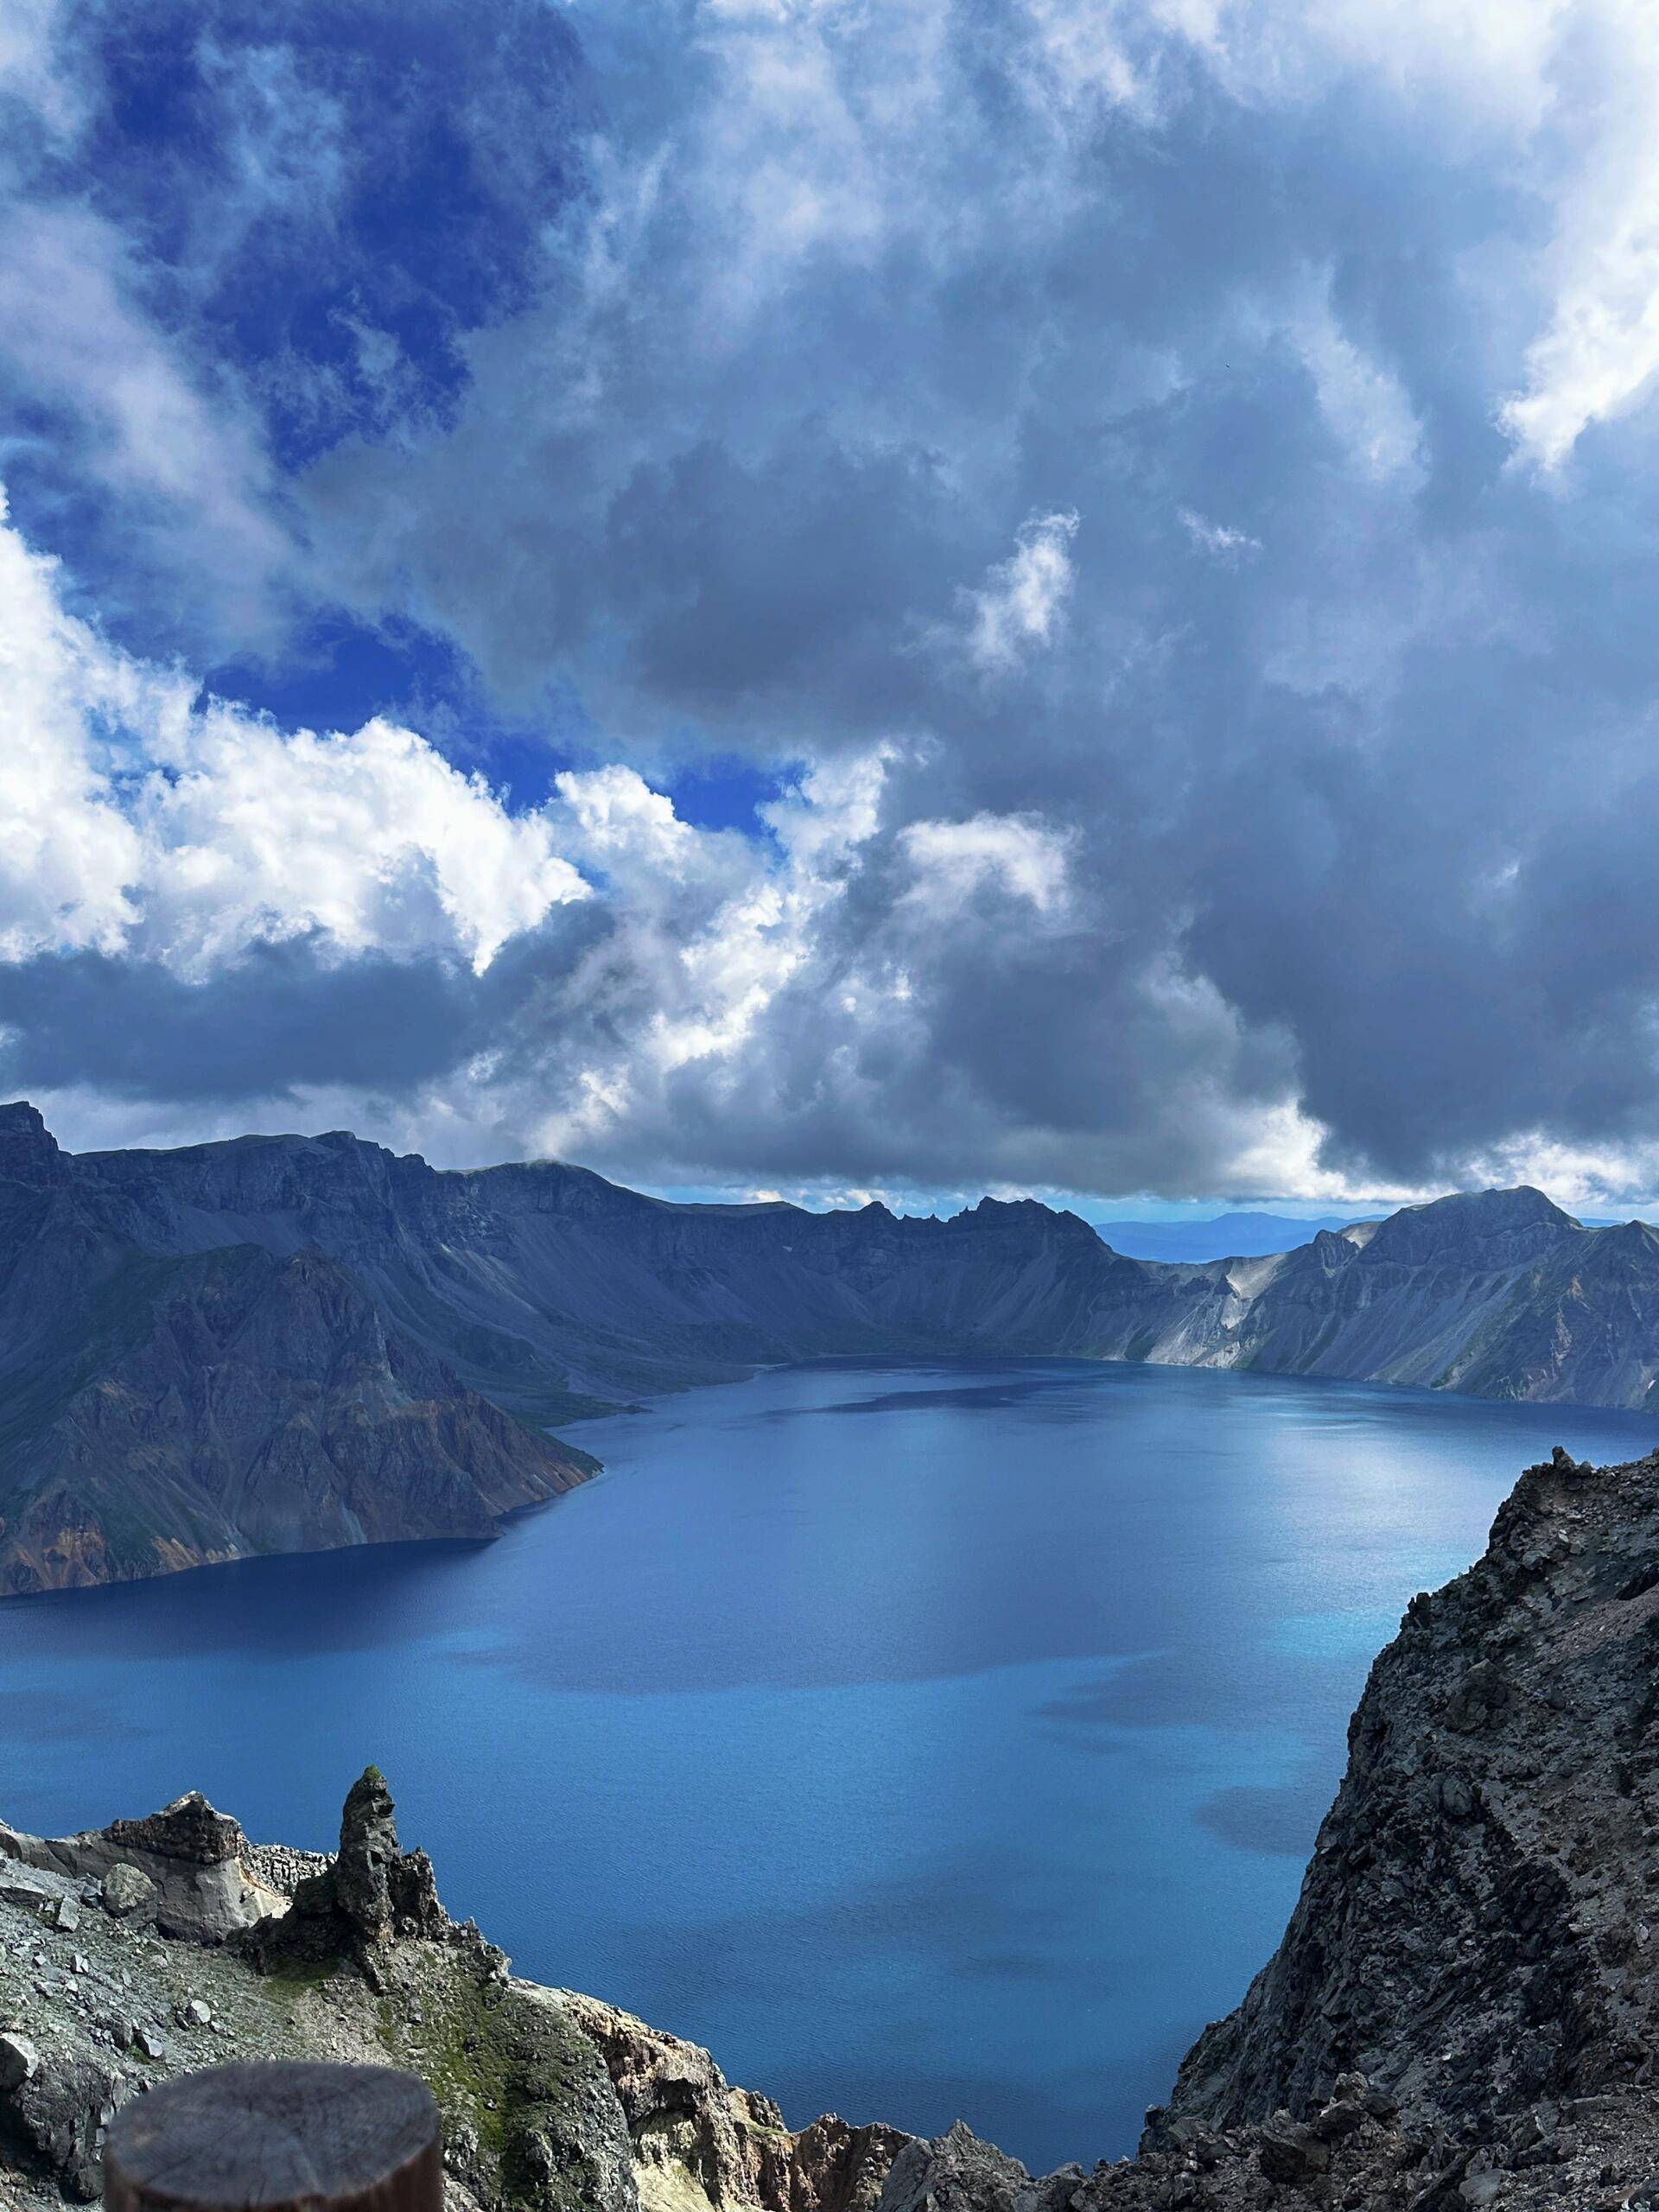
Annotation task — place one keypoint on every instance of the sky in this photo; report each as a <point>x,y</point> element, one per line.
<point>809,596</point>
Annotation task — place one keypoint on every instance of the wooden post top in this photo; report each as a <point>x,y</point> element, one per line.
<point>277,2139</point>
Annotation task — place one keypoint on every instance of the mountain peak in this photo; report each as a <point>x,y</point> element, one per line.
<point>29,1151</point>
<point>1483,1227</point>
<point>1025,1217</point>
<point>1516,1203</point>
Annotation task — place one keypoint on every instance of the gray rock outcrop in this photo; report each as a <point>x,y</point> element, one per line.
<point>370,1893</point>
<point>184,1868</point>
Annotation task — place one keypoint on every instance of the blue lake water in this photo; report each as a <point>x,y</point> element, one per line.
<point>926,1740</point>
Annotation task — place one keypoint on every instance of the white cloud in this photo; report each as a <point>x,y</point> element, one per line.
<point>1362,400</point>
<point>72,330</point>
<point>129,820</point>
<point>67,853</point>
<point>373,838</point>
<point>1023,599</point>
<point>712,929</point>
<point>1219,540</point>
<point>1597,356</point>
<point>835,808</point>
<point>953,861</point>
<point>624,827</point>
<point>1620,1179</point>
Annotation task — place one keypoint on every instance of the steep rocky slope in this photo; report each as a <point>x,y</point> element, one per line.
<point>1479,1924</point>
<point>553,1291</point>
<point>1463,2013</point>
<point>1498,1292</point>
<point>157,1411</point>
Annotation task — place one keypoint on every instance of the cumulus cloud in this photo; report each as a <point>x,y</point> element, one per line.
<point>953,861</point>
<point>372,839</point>
<point>1020,603</point>
<point>133,818</point>
<point>67,853</point>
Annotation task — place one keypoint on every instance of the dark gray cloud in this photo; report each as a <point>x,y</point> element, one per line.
<point>278,1021</point>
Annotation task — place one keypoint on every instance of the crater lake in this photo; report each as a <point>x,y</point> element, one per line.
<point>926,1740</point>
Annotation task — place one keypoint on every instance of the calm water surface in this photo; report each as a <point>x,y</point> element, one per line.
<point>927,1739</point>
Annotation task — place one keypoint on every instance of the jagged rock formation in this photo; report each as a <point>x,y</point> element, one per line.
<point>284,1343</point>
<point>1463,2014</point>
<point>550,2100</point>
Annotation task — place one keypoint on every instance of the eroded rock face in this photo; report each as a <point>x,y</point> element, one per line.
<point>959,2173</point>
<point>698,2136</point>
<point>690,2127</point>
<point>567,2144</point>
<point>182,1867</point>
<point>1480,1927</point>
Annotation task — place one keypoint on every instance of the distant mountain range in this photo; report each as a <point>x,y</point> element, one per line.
<point>291,1342</point>
<point>1223,1236</point>
<point>1243,1235</point>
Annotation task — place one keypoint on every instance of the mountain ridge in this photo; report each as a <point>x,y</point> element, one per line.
<point>537,1293</point>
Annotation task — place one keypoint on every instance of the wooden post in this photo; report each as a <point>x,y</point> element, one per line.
<point>277,2139</point>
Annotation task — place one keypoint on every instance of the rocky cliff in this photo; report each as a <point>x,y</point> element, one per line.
<point>285,1341</point>
<point>1463,2013</point>
<point>160,1410</point>
<point>1480,1924</point>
